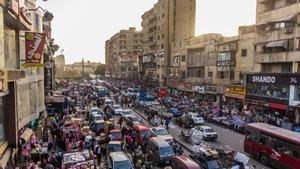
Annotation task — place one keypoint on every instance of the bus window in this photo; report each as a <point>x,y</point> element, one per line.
<point>264,139</point>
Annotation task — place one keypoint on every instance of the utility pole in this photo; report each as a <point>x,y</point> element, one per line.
<point>82,68</point>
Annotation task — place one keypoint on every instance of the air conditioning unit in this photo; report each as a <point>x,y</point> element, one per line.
<point>13,6</point>
<point>288,30</point>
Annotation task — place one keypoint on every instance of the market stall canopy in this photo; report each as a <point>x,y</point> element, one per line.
<point>55,99</point>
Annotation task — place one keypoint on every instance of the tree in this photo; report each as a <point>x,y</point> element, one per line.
<point>100,70</point>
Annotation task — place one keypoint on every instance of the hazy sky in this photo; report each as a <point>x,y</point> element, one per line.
<point>81,27</point>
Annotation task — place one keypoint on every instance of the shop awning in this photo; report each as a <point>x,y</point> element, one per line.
<point>280,43</point>
<point>237,96</point>
<point>27,134</point>
<point>55,99</point>
<point>284,19</point>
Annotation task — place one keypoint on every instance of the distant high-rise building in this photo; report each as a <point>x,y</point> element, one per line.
<point>168,21</point>
<point>121,53</point>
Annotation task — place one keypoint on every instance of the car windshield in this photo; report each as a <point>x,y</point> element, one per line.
<point>145,133</point>
<point>94,110</point>
<point>96,118</point>
<point>117,106</point>
<point>209,130</point>
<point>123,165</point>
<point>196,116</point>
<point>114,147</point>
<point>213,164</point>
<point>116,135</point>
<point>127,112</point>
<point>135,119</point>
<point>164,151</point>
<point>162,132</point>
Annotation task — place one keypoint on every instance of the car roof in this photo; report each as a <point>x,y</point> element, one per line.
<point>160,141</point>
<point>119,156</point>
<point>115,131</point>
<point>158,128</point>
<point>205,127</point>
<point>114,142</point>
<point>99,121</point>
<point>188,163</point>
<point>141,127</point>
<point>127,110</point>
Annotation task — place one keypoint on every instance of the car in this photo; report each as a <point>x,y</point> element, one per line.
<point>114,146</point>
<point>133,120</point>
<point>117,160</point>
<point>115,135</point>
<point>159,151</point>
<point>184,162</point>
<point>196,118</point>
<point>161,132</point>
<point>116,108</point>
<point>108,102</point>
<point>126,113</point>
<point>207,133</point>
<point>141,132</point>
<point>96,117</point>
<point>175,112</point>
<point>94,110</point>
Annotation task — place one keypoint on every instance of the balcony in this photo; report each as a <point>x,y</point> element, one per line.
<point>286,33</point>
<point>277,57</point>
<point>266,16</point>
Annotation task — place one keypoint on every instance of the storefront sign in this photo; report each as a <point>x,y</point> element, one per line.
<point>199,89</point>
<point>48,76</point>
<point>211,89</point>
<point>236,90</point>
<point>34,48</point>
<point>269,78</point>
<point>3,81</point>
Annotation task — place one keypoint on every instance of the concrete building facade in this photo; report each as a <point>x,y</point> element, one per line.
<point>168,21</point>
<point>121,53</point>
<point>277,40</point>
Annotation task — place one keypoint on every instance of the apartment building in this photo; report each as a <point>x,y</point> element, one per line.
<point>21,88</point>
<point>277,41</point>
<point>121,53</point>
<point>202,58</point>
<point>168,21</point>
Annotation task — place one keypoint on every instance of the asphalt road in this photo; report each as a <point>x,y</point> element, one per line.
<point>226,137</point>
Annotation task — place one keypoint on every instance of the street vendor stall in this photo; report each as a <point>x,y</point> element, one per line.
<point>71,160</point>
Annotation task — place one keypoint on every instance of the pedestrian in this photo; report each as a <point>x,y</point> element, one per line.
<point>98,154</point>
<point>123,131</point>
<point>167,122</point>
<point>121,122</point>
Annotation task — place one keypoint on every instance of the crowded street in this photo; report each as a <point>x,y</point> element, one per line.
<point>150,84</point>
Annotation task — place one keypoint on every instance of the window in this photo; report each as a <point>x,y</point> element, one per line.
<point>195,72</point>
<point>286,68</point>
<point>210,74</point>
<point>183,58</point>
<point>267,68</point>
<point>244,52</point>
<point>269,90</point>
<point>231,75</point>
<point>162,46</point>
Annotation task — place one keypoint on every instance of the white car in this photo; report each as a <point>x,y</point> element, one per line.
<point>117,109</point>
<point>162,133</point>
<point>207,132</point>
<point>197,119</point>
<point>94,110</point>
<point>108,102</point>
<point>126,113</point>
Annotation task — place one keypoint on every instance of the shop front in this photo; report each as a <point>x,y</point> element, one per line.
<point>235,95</point>
<point>276,97</point>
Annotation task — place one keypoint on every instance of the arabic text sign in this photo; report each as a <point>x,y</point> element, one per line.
<point>34,47</point>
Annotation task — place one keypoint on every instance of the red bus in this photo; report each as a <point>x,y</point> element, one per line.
<point>273,146</point>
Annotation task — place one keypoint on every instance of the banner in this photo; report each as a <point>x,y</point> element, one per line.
<point>48,76</point>
<point>34,48</point>
<point>3,80</point>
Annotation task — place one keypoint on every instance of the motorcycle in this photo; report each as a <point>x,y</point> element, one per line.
<point>186,136</point>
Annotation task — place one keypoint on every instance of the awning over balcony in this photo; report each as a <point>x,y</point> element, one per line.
<point>280,43</point>
<point>284,19</point>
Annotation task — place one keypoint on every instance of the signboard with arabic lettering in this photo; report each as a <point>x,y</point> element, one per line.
<point>34,47</point>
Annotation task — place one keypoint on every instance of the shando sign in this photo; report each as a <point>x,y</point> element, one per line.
<point>34,48</point>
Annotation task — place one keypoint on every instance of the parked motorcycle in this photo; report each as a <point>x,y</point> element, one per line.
<point>186,136</point>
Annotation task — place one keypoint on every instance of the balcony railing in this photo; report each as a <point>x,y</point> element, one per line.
<point>277,57</point>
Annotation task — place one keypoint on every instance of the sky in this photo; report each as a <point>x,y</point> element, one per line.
<point>81,27</point>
